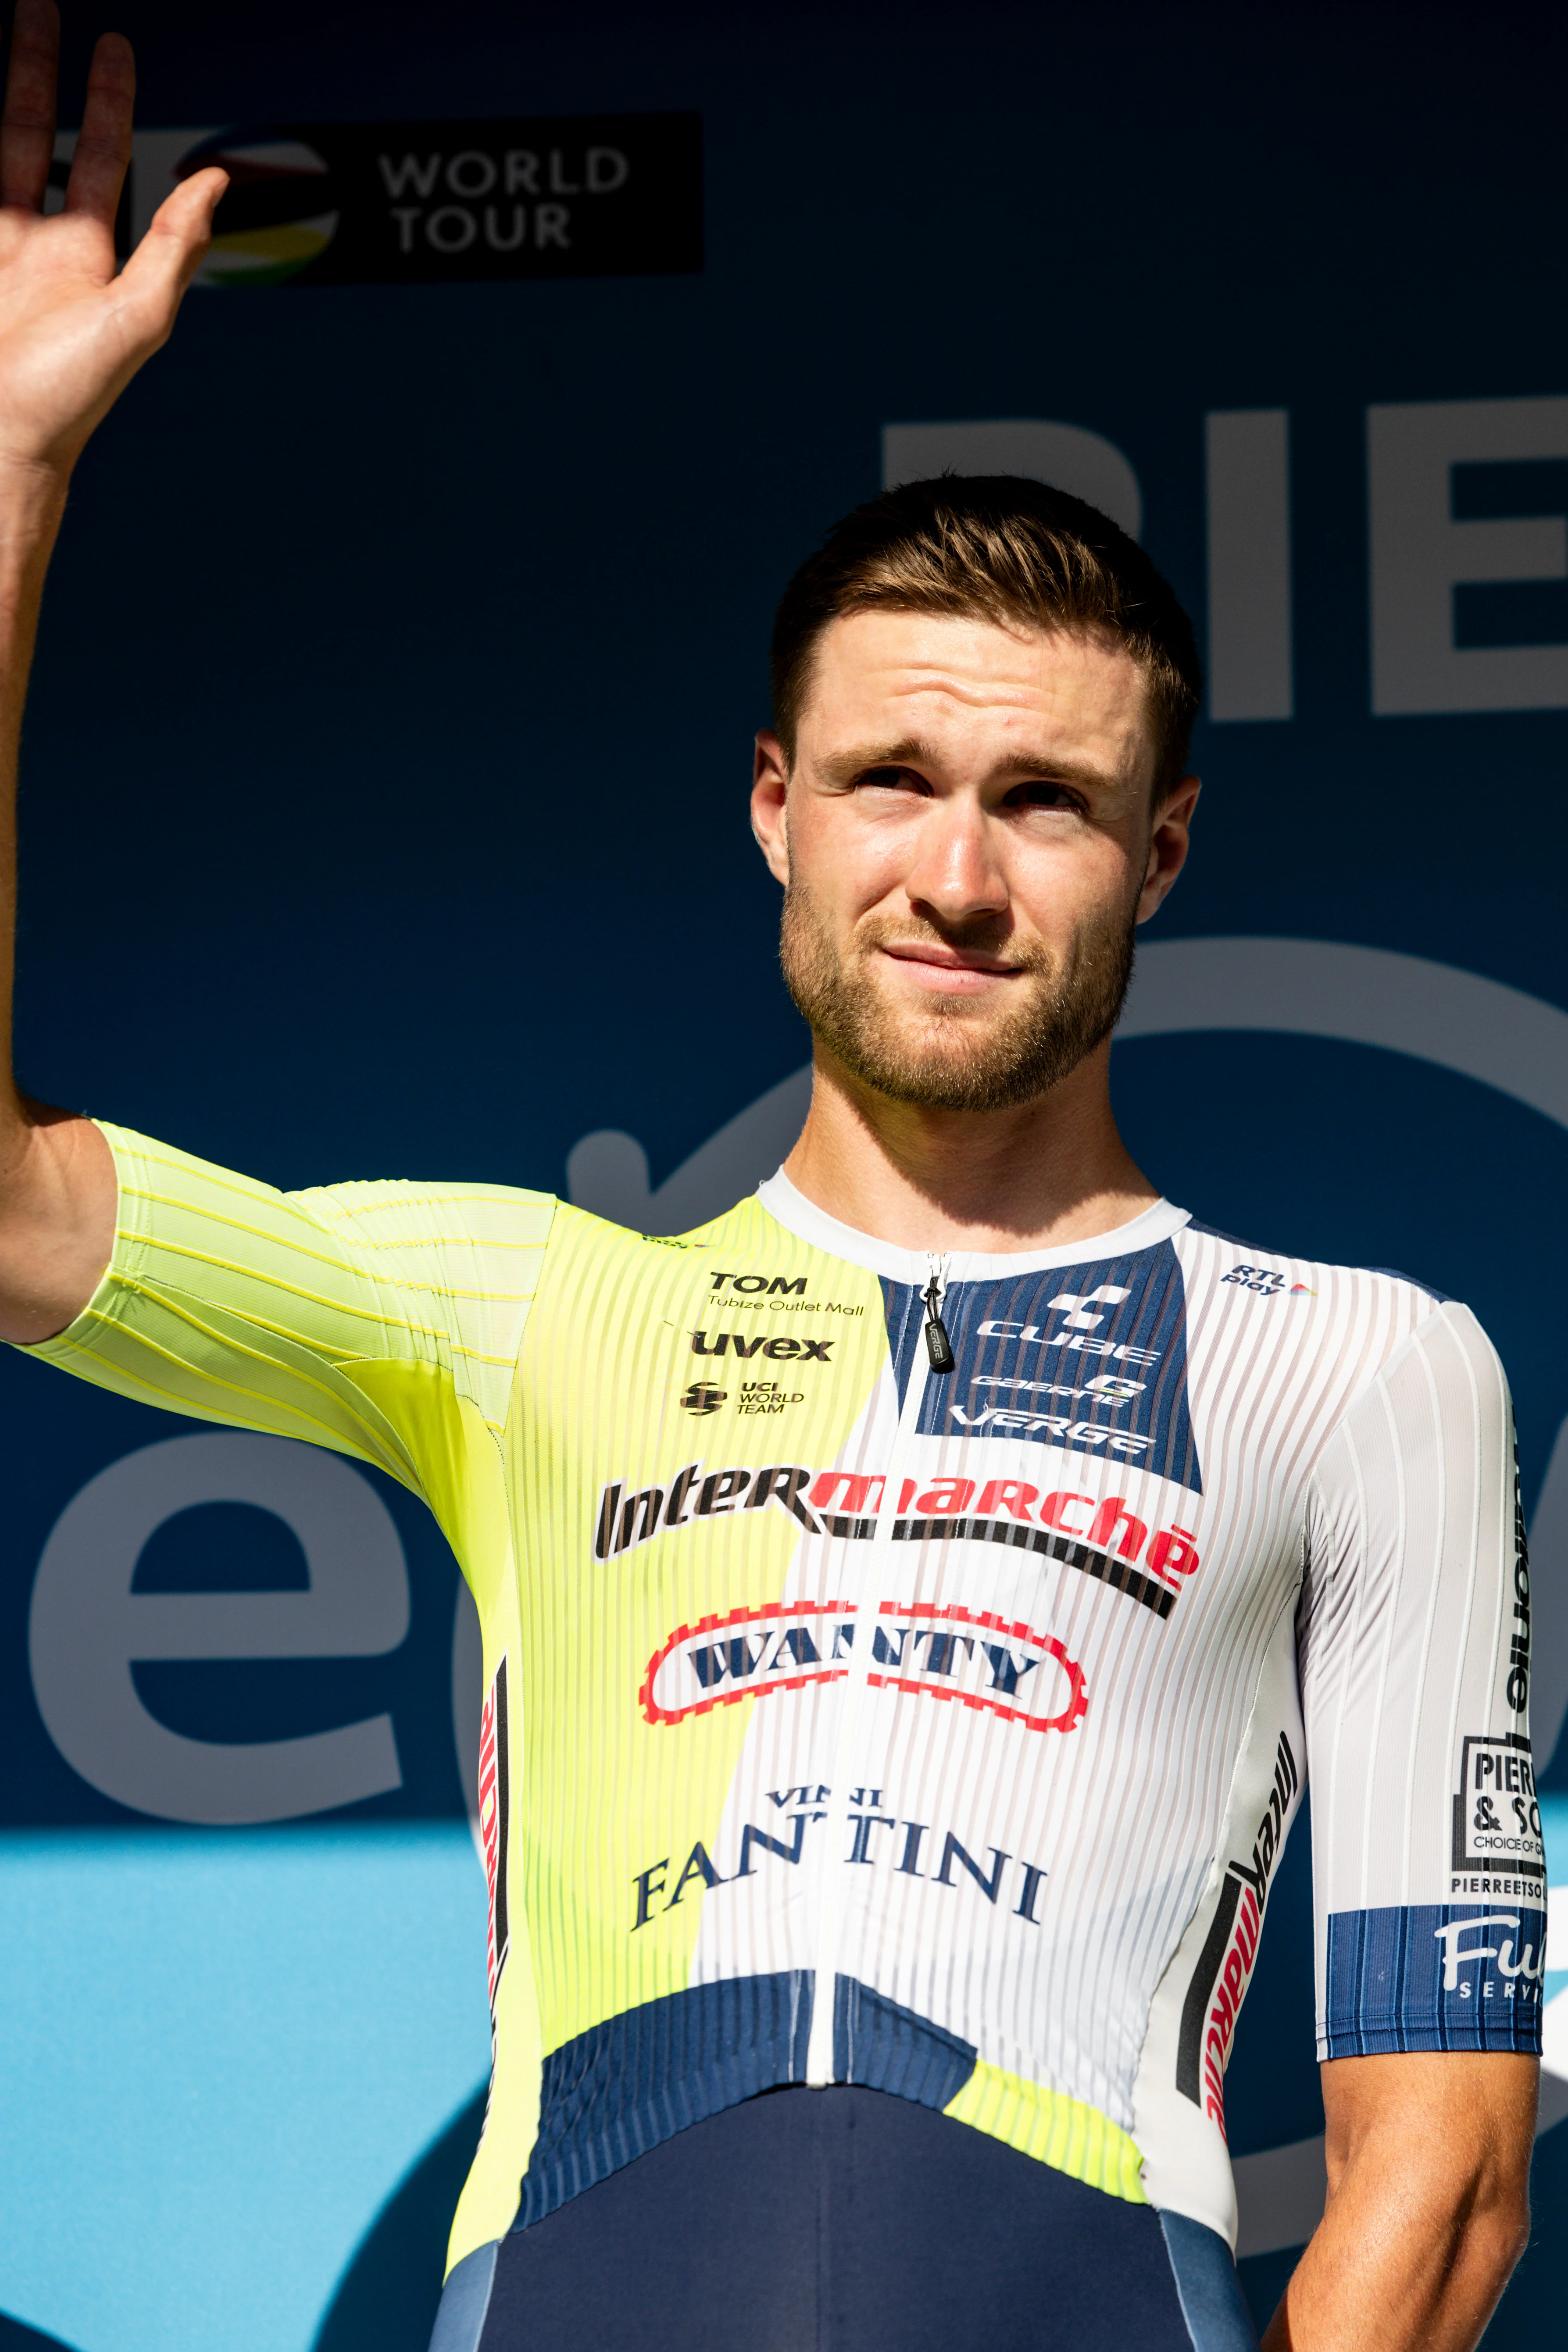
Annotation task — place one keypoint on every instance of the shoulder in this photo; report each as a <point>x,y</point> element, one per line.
<point>746,1225</point>
<point>400,1212</point>
<point>1332,1335</point>
<point>1223,1261</point>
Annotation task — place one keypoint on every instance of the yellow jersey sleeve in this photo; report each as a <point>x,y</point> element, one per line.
<point>381,1319</point>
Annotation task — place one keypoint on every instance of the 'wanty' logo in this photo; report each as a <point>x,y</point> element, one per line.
<point>980,1659</point>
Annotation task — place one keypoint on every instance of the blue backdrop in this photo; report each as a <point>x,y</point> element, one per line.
<point>385,814</point>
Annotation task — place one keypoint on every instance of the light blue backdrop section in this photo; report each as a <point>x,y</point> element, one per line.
<point>222,2052</point>
<point>1554,1821</point>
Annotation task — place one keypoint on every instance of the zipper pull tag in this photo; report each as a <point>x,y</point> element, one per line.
<point>939,1347</point>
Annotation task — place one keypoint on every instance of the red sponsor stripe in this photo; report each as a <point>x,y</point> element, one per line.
<point>489,1826</point>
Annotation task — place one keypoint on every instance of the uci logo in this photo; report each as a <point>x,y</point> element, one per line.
<point>700,1398</point>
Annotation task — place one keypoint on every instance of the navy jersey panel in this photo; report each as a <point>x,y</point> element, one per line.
<point>1091,1359</point>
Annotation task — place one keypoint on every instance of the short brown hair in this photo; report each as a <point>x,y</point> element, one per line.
<point>997,547</point>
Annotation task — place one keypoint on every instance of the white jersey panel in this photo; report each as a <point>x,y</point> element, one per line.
<point>1137,1472</point>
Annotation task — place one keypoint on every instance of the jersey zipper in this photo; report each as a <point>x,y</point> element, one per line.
<point>939,1347</point>
<point>878,1584</point>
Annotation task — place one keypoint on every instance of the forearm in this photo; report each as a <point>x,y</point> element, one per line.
<point>31,505</point>
<point>57,1181</point>
<point>1389,2269</point>
<point>1427,2211</point>
<point>74,329</point>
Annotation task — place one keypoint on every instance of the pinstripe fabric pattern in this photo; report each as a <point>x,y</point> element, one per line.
<point>940,1734</point>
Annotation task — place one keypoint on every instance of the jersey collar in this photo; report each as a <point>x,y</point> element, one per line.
<point>791,1210</point>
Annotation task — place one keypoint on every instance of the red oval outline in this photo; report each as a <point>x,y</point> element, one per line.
<point>654,1713</point>
<point>1072,1715</point>
<point>1068,1720</point>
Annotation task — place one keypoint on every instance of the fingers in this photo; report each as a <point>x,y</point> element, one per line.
<point>158,272</point>
<point>27,125</point>
<point>103,143</point>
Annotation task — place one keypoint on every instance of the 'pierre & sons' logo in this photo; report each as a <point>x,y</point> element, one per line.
<point>981,1660</point>
<point>1498,1847</point>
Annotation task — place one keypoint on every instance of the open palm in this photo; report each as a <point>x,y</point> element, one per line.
<point>73,331</point>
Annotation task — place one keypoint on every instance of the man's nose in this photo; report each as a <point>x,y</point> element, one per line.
<point>956,872</point>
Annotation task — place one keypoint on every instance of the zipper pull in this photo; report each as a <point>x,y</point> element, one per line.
<point>939,1347</point>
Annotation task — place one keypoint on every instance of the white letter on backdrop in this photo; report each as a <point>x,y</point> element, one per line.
<point>1419,554</point>
<point>87,1626</point>
<point>1248,462</point>
<point>1066,456</point>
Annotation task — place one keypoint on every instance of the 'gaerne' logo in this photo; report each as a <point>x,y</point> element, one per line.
<point>981,1661</point>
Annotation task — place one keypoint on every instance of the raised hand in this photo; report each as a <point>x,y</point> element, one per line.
<point>72,332</point>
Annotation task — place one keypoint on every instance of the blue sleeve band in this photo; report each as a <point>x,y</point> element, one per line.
<point>1436,1976</point>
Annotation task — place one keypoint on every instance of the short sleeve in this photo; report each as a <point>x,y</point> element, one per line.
<point>351,1317</point>
<point>1427,1859</point>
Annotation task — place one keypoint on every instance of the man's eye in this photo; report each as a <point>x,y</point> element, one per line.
<point>1048,796</point>
<point>891,780</point>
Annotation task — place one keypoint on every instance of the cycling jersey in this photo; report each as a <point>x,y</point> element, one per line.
<point>848,1720</point>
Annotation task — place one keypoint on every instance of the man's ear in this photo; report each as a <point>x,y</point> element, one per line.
<point>770,814</point>
<point>1168,846</point>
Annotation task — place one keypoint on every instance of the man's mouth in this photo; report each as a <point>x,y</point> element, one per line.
<point>949,972</point>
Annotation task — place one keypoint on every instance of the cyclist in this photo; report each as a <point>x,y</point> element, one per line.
<point>912,1602</point>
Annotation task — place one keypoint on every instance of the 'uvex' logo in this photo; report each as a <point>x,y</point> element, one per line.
<point>757,1343</point>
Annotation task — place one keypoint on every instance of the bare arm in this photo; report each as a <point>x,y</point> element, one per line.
<point>1429,2204</point>
<point>72,335</point>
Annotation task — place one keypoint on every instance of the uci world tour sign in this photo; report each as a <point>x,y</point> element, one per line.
<point>377,203</point>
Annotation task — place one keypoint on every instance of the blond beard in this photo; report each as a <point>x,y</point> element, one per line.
<point>950,1056</point>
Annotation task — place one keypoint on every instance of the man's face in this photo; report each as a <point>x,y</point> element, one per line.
<point>966,841</point>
